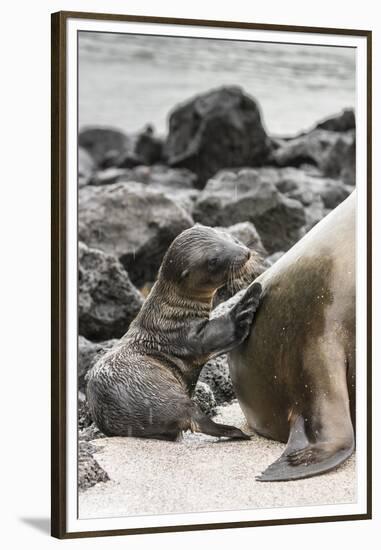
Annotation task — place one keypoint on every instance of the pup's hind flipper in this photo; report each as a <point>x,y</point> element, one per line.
<point>202,423</point>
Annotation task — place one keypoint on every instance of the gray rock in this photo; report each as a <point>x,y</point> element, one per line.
<point>89,471</point>
<point>309,148</point>
<point>216,375</point>
<point>107,300</point>
<point>317,193</point>
<point>90,432</point>
<point>252,195</point>
<point>334,153</point>
<point>148,147</point>
<point>270,260</point>
<point>111,160</point>
<point>88,353</point>
<point>83,413</point>
<point>108,176</point>
<point>132,222</point>
<point>204,398</point>
<point>334,193</point>
<point>86,167</point>
<point>176,183</point>
<point>340,161</point>
<point>339,123</point>
<point>100,142</point>
<point>127,160</point>
<point>314,212</point>
<point>232,197</point>
<point>218,129</point>
<point>165,177</point>
<point>87,430</point>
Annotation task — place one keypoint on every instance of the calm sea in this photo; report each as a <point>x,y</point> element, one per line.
<point>127,80</point>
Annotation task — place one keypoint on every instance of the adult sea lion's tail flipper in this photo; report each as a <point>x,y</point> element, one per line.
<point>303,458</point>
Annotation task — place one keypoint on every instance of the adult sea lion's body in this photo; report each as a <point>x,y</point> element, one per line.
<point>295,374</point>
<point>143,386</point>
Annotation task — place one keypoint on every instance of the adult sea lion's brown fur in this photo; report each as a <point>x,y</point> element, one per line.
<point>143,386</point>
<point>295,374</point>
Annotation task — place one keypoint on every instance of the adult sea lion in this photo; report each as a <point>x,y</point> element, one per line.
<point>143,386</point>
<point>295,374</point>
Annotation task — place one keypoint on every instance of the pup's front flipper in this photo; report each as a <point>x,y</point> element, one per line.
<point>243,312</point>
<point>224,333</point>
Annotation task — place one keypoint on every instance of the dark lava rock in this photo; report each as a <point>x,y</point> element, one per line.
<point>107,300</point>
<point>270,260</point>
<point>163,177</point>
<point>90,432</point>
<point>86,167</point>
<point>111,160</point>
<point>216,375</point>
<point>108,176</point>
<point>149,147</point>
<point>309,148</point>
<point>334,193</point>
<point>128,160</point>
<point>334,153</point>
<point>132,222</point>
<point>89,471</point>
<point>87,430</point>
<point>252,195</point>
<point>340,161</point>
<point>88,353</point>
<point>84,416</point>
<point>218,129</point>
<point>176,183</point>
<point>204,398</point>
<point>339,123</point>
<point>317,193</point>
<point>101,142</point>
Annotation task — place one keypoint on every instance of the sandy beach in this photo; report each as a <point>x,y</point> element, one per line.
<point>201,473</point>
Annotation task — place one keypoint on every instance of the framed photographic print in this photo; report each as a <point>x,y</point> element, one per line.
<point>211,266</point>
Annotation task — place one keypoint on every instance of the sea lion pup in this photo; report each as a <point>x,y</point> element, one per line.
<point>143,386</point>
<point>294,375</point>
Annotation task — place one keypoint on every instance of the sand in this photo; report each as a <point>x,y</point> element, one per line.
<point>201,473</point>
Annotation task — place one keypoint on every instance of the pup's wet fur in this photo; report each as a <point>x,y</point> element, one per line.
<point>143,386</point>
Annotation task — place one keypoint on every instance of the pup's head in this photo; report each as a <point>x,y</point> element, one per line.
<point>203,259</point>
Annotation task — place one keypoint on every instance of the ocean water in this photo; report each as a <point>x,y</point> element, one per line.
<point>127,81</point>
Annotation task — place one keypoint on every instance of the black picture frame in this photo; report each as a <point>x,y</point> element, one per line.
<point>59,262</point>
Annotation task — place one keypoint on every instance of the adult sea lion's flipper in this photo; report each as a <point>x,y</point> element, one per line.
<point>303,458</point>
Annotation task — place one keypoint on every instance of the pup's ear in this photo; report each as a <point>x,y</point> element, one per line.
<point>184,273</point>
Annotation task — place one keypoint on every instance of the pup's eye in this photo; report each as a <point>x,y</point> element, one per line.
<point>212,263</point>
